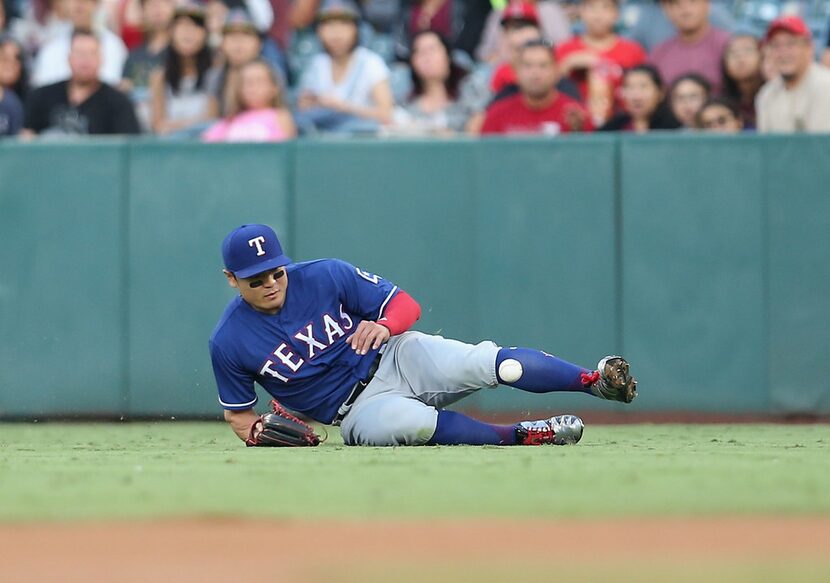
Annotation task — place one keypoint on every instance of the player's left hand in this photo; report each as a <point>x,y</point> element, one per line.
<point>369,335</point>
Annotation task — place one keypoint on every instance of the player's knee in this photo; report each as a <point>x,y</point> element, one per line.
<point>509,370</point>
<point>396,421</point>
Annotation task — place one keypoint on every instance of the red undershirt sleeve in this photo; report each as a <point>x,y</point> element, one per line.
<point>401,313</point>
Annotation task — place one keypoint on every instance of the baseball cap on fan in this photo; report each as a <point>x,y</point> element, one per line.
<point>252,249</point>
<point>338,10</point>
<point>519,11</point>
<point>792,24</point>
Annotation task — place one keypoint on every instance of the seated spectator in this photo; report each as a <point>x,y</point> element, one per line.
<point>547,14</point>
<point>644,109</point>
<point>181,104</point>
<point>260,16</point>
<point>142,61</point>
<point>596,60</point>
<point>697,48</point>
<point>13,75</point>
<point>653,27</point>
<point>260,12</point>
<point>742,74</point>
<point>157,16</point>
<point>798,99</point>
<point>124,18</point>
<point>11,113</point>
<point>687,95</point>
<point>437,15</point>
<point>280,30</point>
<point>12,79</point>
<point>538,107</point>
<point>346,88</point>
<point>52,62</point>
<point>383,15</point>
<point>518,31</point>
<point>82,104</point>
<point>241,44</point>
<point>721,115</point>
<point>39,22</point>
<point>258,113</point>
<point>502,82</point>
<point>825,56</point>
<point>434,106</point>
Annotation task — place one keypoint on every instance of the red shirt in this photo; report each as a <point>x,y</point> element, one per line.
<point>503,76</point>
<point>676,57</point>
<point>622,55</point>
<point>512,115</point>
<point>440,22</point>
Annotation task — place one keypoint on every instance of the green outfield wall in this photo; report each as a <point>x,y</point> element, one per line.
<point>703,259</point>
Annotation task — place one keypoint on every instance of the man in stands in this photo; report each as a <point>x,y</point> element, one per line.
<point>697,47</point>
<point>538,107</point>
<point>51,64</point>
<point>82,104</point>
<point>798,99</point>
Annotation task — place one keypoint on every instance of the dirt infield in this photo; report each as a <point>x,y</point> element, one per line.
<point>212,550</point>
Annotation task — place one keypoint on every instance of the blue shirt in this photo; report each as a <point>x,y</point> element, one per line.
<point>299,355</point>
<point>11,114</point>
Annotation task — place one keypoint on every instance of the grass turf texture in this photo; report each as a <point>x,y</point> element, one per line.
<point>57,471</point>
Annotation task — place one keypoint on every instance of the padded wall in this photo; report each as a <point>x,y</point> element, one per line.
<point>701,258</point>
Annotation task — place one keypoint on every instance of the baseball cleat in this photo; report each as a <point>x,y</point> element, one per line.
<point>559,430</point>
<point>613,381</point>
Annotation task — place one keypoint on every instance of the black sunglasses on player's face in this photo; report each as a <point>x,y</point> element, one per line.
<point>261,277</point>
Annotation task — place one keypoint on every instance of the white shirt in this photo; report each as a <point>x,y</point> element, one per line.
<point>52,62</point>
<point>804,108</point>
<point>366,69</point>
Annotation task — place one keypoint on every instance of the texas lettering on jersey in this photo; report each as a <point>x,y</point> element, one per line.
<point>332,331</point>
<point>300,355</point>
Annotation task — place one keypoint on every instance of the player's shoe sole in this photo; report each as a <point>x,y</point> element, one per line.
<point>615,382</point>
<point>558,430</point>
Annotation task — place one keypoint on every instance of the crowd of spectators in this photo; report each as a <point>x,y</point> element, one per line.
<point>270,70</point>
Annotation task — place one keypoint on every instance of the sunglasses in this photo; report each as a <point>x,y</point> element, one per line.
<point>277,275</point>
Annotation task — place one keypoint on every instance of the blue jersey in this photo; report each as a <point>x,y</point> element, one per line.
<point>299,355</point>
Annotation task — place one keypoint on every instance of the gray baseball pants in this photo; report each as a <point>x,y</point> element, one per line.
<point>418,374</point>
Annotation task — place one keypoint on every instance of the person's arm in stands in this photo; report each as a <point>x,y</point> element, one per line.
<point>158,107</point>
<point>384,104</point>
<point>303,12</point>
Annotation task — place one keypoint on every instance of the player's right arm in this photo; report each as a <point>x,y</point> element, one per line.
<point>241,422</point>
<point>236,391</point>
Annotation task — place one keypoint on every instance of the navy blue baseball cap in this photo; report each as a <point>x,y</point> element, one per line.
<point>252,249</point>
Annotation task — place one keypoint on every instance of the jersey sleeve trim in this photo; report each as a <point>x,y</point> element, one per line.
<point>386,301</point>
<point>247,405</point>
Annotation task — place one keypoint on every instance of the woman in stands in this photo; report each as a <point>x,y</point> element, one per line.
<point>258,113</point>
<point>741,69</point>
<point>345,89</point>
<point>181,104</point>
<point>643,103</point>
<point>433,107</point>
<point>687,95</point>
<point>13,75</point>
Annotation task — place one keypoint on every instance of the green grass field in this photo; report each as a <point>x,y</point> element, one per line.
<point>56,471</point>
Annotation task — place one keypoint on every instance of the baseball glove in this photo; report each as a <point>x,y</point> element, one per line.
<point>281,429</point>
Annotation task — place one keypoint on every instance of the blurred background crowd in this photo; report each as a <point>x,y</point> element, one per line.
<point>270,70</point>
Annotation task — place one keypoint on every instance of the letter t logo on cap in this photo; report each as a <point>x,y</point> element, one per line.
<point>258,241</point>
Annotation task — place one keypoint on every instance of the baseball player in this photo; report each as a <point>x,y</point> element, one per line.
<point>333,343</point>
